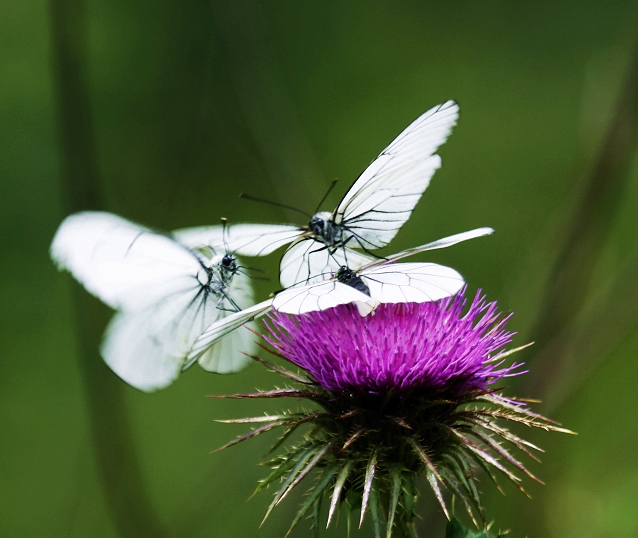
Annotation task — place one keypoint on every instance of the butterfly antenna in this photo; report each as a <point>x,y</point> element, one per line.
<point>254,277</point>
<point>332,186</point>
<point>249,268</point>
<point>270,202</point>
<point>225,233</point>
<point>245,270</point>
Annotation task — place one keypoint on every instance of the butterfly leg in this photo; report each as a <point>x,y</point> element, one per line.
<point>310,252</point>
<point>220,303</point>
<point>367,251</point>
<point>242,271</point>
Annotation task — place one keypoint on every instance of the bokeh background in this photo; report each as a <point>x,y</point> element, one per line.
<point>164,112</point>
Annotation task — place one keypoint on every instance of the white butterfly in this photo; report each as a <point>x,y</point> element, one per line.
<point>165,293</point>
<point>367,218</point>
<point>379,281</point>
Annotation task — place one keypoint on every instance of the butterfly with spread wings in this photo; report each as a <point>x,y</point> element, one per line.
<point>377,282</point>
<point>368,217</point>
<point>165,293</point>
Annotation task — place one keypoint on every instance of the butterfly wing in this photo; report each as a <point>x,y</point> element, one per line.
<point>154,281</point>
<point>124,264</point>
<point>224,328</point>
<point>149,348</point>
<point>388,283</point>
<point>321,296</point>
<point>226,355</point>
<point>434,245</point>
<point>243,239</point>
<point>384,195</point>
<point>308,260</point>
<point>411,282</point>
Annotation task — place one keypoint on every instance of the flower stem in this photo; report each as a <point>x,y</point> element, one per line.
<point>118,467</point>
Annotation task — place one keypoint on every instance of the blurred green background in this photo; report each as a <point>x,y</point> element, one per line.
<point>163,112</point>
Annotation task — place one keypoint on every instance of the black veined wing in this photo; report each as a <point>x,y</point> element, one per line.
<point>384,195</point>
<point>370,287</point>
<point>379,202</point>
<point>380,281</point>
<point>165,293</point>
<point>321,296</point>
<point>243,239</point>
<point>220,329</point>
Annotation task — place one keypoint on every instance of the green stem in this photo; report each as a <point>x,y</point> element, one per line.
<point>585,237</point>
<point>118,467</point>
<point>410,530</point>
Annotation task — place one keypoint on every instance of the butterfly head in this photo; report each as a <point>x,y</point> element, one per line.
<point>321,227</point>
<point>228,265</point>
<point>344,274</point>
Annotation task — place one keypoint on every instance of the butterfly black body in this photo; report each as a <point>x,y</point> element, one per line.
<point>323,228</point>
<point>349,277</point>
<point>215,279</point>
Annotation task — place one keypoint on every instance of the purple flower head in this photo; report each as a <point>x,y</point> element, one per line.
<point>403,397</point>
<point>430,346</point>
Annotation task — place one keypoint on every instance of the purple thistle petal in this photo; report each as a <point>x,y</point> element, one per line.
<point>400,348</point>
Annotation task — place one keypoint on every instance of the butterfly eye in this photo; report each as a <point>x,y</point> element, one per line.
<point>228,261</point>
<point>316,225</point>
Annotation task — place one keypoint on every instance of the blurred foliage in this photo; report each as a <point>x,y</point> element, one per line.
<point>192,103</point>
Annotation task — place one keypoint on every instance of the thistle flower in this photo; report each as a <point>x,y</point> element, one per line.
<point>409,392</point>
